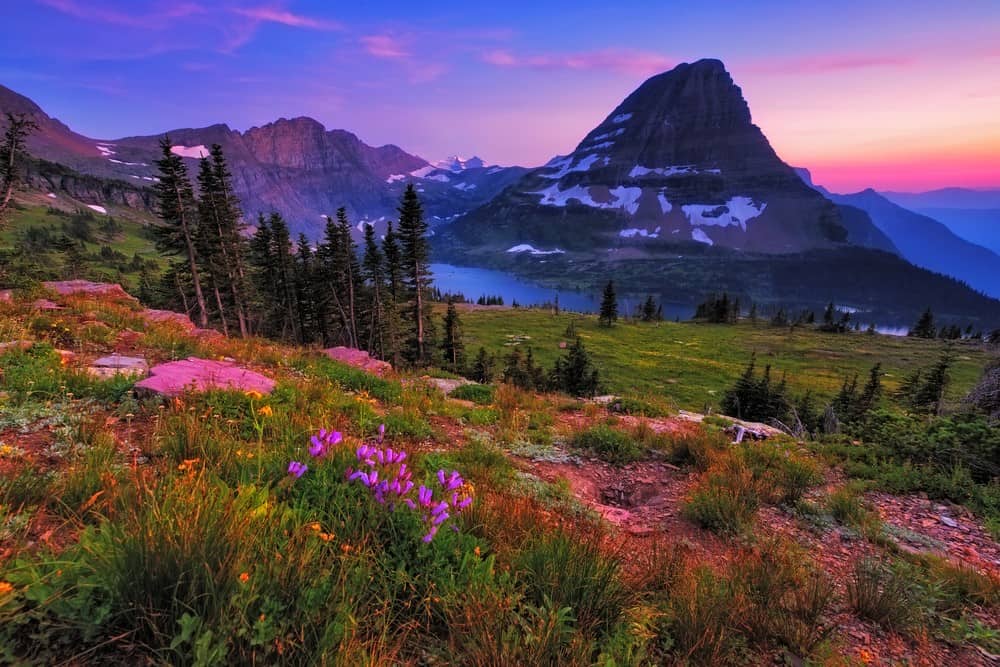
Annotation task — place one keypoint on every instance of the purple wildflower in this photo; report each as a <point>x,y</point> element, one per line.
<point>381,433</point>
<point>321,443</point>
<point>297,469</point>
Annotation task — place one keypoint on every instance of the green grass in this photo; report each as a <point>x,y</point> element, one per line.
<point>694,363</point>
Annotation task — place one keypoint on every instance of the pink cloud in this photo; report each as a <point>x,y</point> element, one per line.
<point>284,17</point>
<point>624,62</point>
<point>828,63</point>
<point>384,46</point>
<point>91,12</point>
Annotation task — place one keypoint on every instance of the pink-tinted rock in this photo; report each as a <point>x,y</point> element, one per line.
<point>194,374</point>
<point>359,359</point>
<point>152,315</point>
<point>46,304</point>
<point>208,334</point>
<point>15,345</point>
<point>107,290</point>
<point>6,296</point>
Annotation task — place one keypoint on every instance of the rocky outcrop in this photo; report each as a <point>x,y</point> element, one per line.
<point>88,288</point>
<point>359,359</point>
<point>117,364</point>
<point>194,374</point>
<point>181,320</point>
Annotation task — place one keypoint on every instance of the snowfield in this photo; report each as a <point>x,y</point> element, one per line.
<point>624,197</point>
<point>621,118</point>
<point>737,211</point>
<point>194,152</point>
<point>700,236</point>
<point>524,247</point>
<point>565,165</point>
<point>99,209</point>
<point>643,233</point>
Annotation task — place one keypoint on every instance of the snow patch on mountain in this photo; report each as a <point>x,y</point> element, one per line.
<point>128,164</point>
<point>737,211</point>
<point>609,135</point>
<point>597,147</point>
<point>99,209</point>
<point>644,233</point>
<point>524,247</point>
<point>565,165</point>
<point>423,171</point>
<point>455,163</point>
<point>194,152</point>
<point>621,118</point>
<point>628,198</point>
<point>638,171</point>
<point>665,205</point>
<point>624,197</point>
<point>106,149</point>
<point>51,195</point>
<point>465,187</point>
<point>440,178</point>
<point>700,236</point>
<point>395,177</point>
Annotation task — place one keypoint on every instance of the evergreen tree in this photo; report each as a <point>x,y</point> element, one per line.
<point>414,256</point>
<point>756,399</point>
<point>924,391</point>
<point>374,276</point>
<point>452,347</point>
<point>482,367</point>
<point>394,283</point>
<point>575,373</point>
<point>12,154</point>
<point>924,327</point>
<point>304,280</point>
<point>350,270</point>
<point>609,305</point>
<point>514,371</point>
<point>176,208</point>
<point>648,313</point>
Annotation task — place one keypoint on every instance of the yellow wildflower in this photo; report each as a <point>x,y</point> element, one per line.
<point>314,526</point>
<point>476,551</point>
<point>5,587</point>
<point>187,464</point>
<point>254,394</point>
<point>265,411</point>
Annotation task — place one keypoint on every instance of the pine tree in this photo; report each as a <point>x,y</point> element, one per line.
<point>609,305</point>
<point>924,327</point>
<point>373,274</point>
<point>482,367</point>
<point>575,373</point>
<point>648,313</point>
<point>348,260</point>
<point>176,208</point>
<point>304,278</point>
<point>414,256</point>
<point>12,153</point>
<point>452,347</point>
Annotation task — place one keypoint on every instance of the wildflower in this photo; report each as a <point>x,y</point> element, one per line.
<point>254,394</point>
<point>265,411</point>
<point>327,537</point>
<point>323,441</point>
<point>244,577</point>
<point>188,464</point>
<point>346,548</point>
<point>314,526</point>
<point>381,433</point>
<point>5,587</point>
<point>477,551</point>
<point>297,469</point>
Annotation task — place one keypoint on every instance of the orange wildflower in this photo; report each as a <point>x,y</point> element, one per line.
<point>5,587</point>
<point>244,577</point>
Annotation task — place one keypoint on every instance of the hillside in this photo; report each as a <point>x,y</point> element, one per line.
<point>582,530</point>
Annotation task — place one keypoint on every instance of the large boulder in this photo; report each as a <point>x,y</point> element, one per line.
<point>88,288</point>
<point>194,374</point>
<point>153,316</point>
<point>359,359</point>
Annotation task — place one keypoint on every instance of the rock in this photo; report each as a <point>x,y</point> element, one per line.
<point>117,364</point>
<point>6,296</point>
<point>194,374</point>
<point>359,359</point>
<point>606,399</point>
<point>153,316</point>
<point>46,304</point>
<point>106,290</point>
<point>446,385</point>
<point>15,345</point>
<point>208,334</point>
<point>948,521</point>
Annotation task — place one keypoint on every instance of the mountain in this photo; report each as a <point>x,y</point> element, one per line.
<point>972,214</point>
<point>964,198</point>
<point>294,166</point>
<point>678,160</point>
<point>928,243</point>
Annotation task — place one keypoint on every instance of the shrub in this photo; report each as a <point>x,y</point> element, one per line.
<point>570,570</point>
<point>608,444</point>
<point>883,594</point>
<point>726,499</point>
<point>700,612</point>
<point>481,394</point>
<point>794,476</point>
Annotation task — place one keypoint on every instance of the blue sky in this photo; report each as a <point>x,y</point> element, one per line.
<point>892,94</point>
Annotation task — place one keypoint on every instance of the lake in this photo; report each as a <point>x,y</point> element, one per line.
<point>474,283</point>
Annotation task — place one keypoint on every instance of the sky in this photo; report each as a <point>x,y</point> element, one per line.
<point>892,95</point>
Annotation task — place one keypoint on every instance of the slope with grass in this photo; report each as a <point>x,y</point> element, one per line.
<point>142,530</point>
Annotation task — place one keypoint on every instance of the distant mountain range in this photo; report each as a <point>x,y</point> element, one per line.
<point>972,214</point>
<point>676,193</point>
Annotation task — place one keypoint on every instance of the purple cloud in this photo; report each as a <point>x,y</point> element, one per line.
<point>828,63</point>
<point>384,46</point>
<point>614,60</point>
<point>287,18</point>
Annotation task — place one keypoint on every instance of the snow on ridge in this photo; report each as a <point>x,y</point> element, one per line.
<point>464,186</point>
<point>644,233</point>
<point>395,177</point>
<point>609,135</point>
<point>105,149</point>
<point>624,197</point>
<point>665,204</point>
<point>737,211</point>
<point>194,152</point>
<point>638,171</point>
<point>525,247</point>
<point>597,147</point>
<point>700,236</point>
<point>128,164</point>
<point>51,195</point>
<point>621,118</point>
<point>494,170</point>
<point>565,165</point>
<point>423,171</point>
<point>99,209</point>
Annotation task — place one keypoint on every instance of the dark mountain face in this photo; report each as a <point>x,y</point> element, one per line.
<point>679,160</point>
<point>295,167</point>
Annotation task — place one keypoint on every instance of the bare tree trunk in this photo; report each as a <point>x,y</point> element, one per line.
<point>192,263</point>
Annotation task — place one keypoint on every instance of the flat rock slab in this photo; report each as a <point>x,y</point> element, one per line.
<point>108,290</point>
<point>46,304</point>
<point>168,316</point>
<point>359,359</point>
<point>118,364</point>
<point>446,385</point>
<point>194,374</point>
<point>6,296</point>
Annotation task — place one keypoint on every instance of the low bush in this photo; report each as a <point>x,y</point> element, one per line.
<point>481,394</point>
<point>608,444</point>
<point>726,498</point>
<point>884,594</point>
